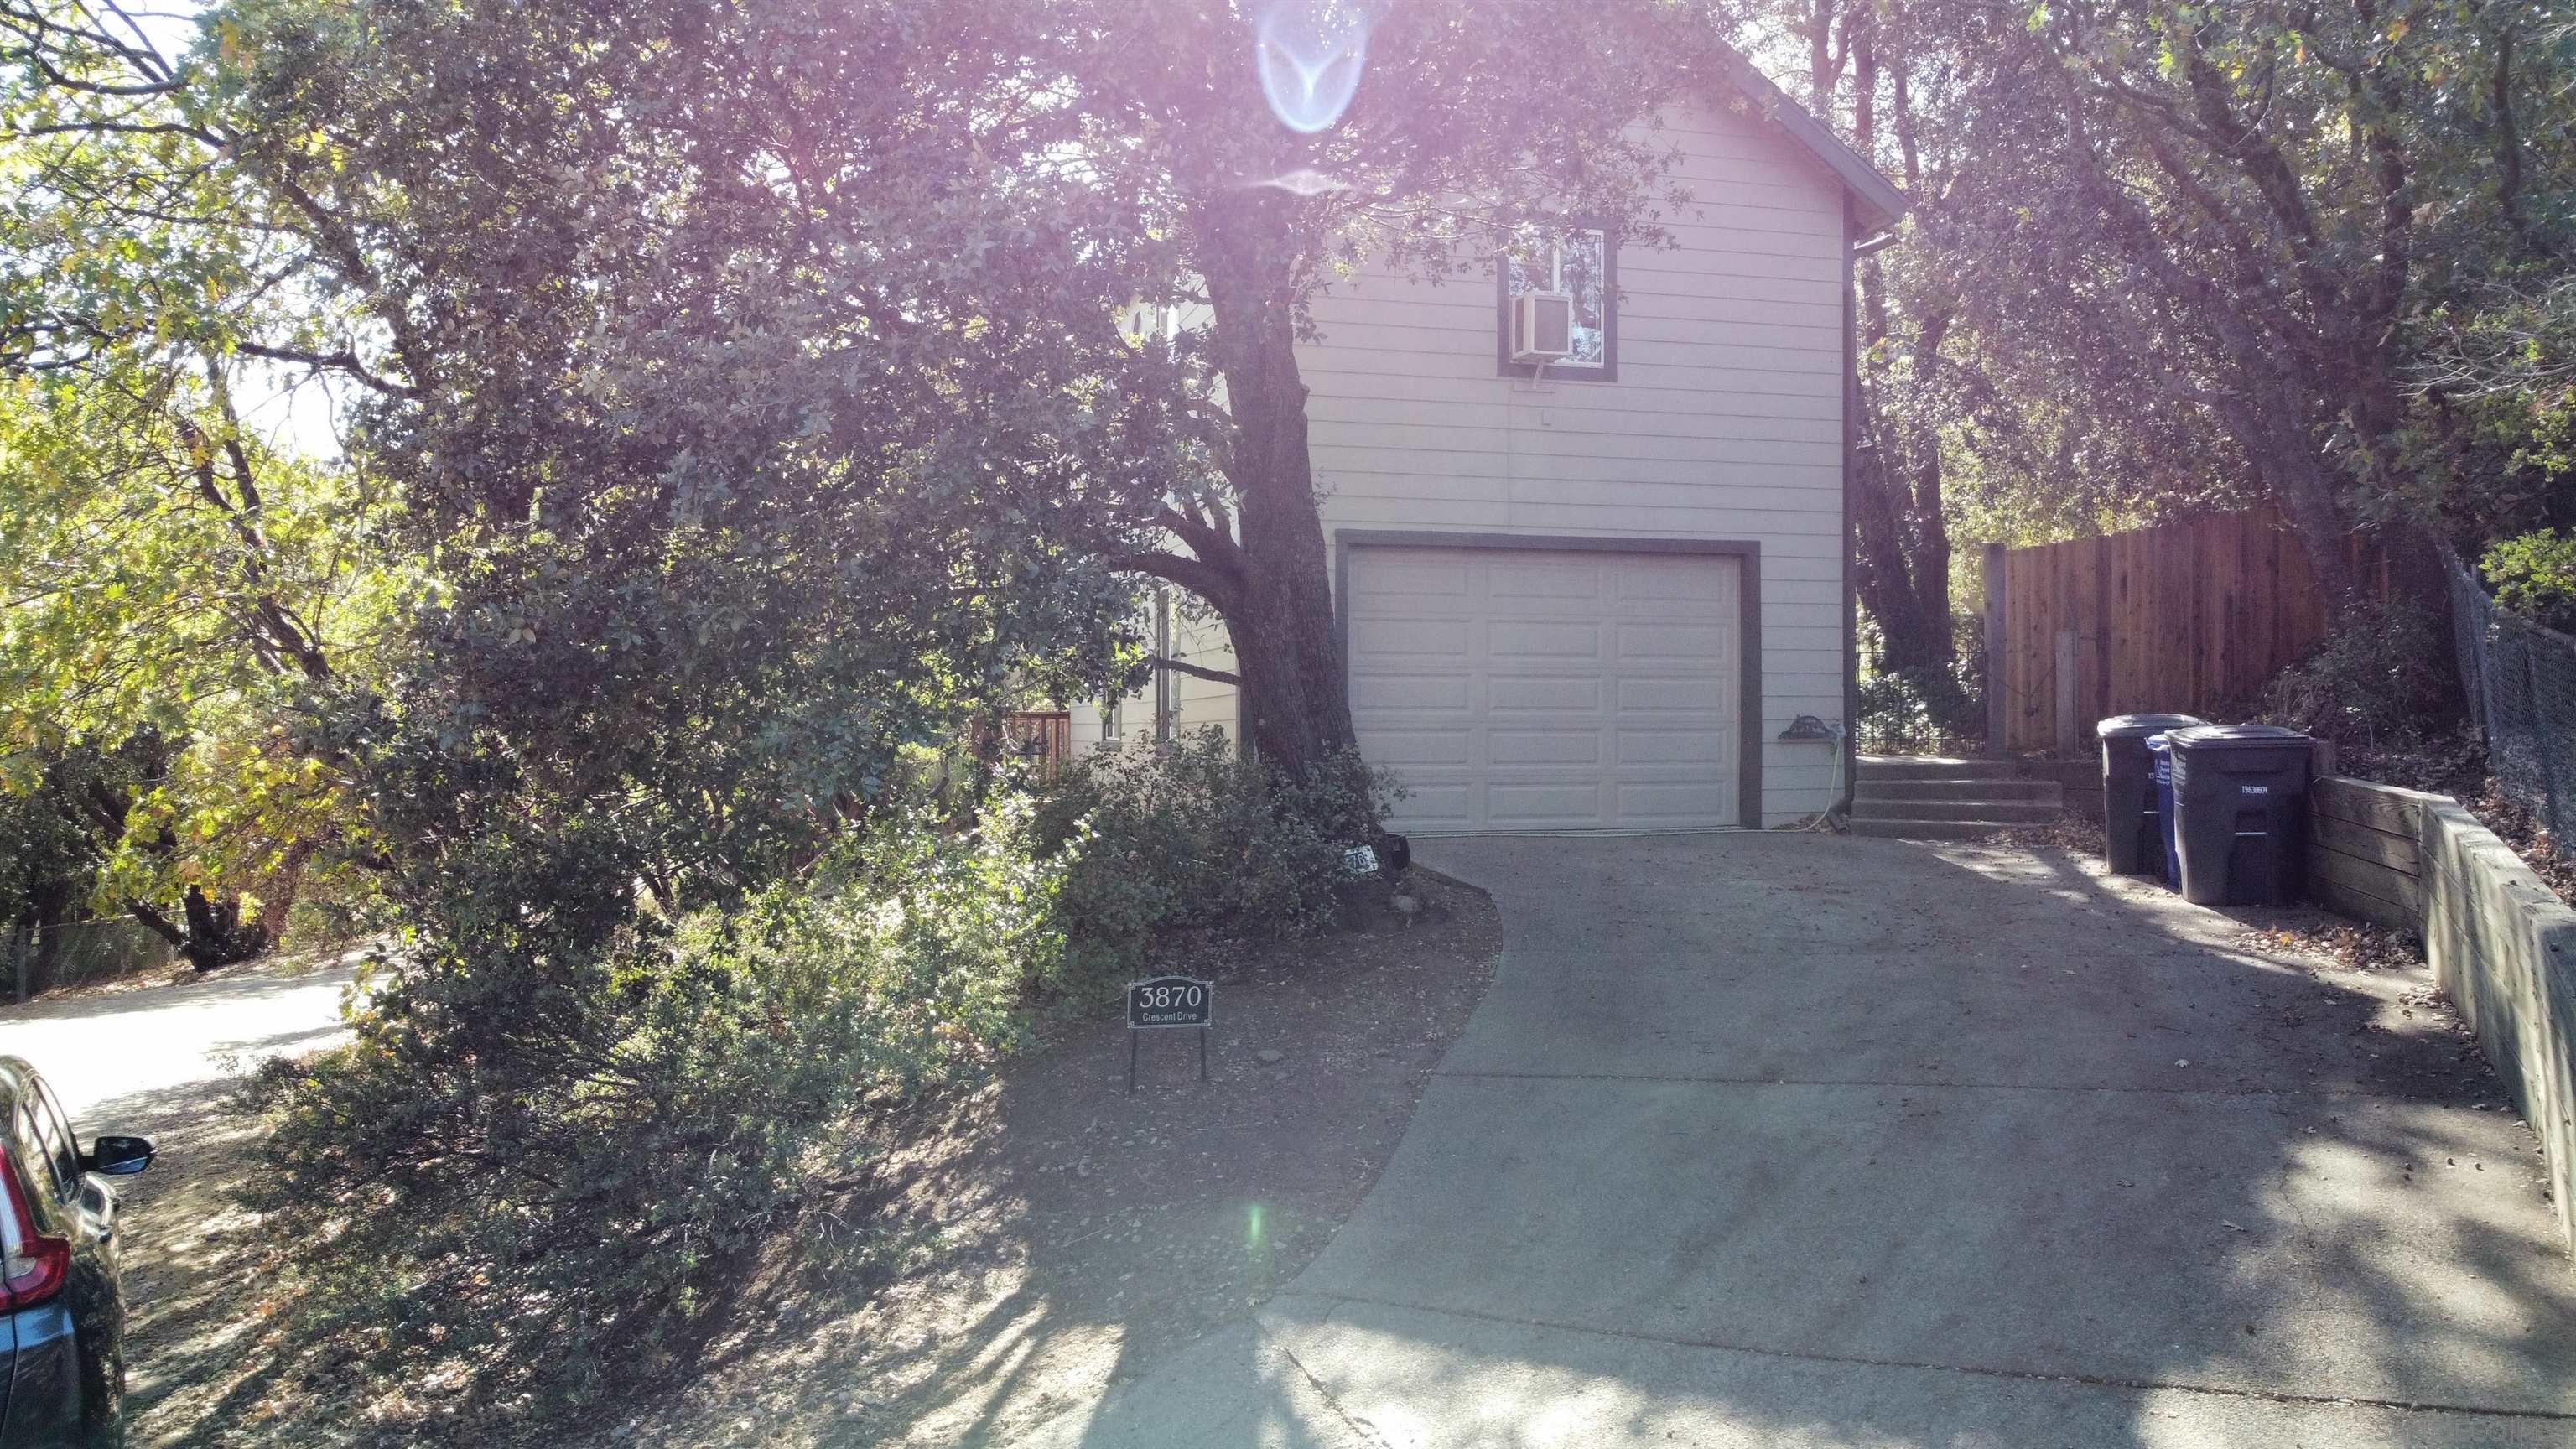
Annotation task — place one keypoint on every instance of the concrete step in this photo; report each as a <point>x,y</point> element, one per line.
<point>1929,829</point>
<point>1869,787</point>
<point>2023,810</point>
<point>1931,767</point>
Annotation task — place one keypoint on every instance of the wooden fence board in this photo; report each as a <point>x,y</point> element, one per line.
<point>2195,615</point>
<point>2097,685</point>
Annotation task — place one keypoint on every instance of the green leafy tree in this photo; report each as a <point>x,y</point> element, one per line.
<point>948,229</point>
<point>176,583</point>
<point>2262,201</point>
<point>2534,575</point>
<point>2175,255</point>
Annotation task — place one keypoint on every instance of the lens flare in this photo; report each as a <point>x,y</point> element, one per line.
<point>1310,54</point>
<point>1304,181</point>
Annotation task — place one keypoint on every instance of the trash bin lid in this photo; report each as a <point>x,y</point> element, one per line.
<point>2238,737</point>
<point>2132,726</point>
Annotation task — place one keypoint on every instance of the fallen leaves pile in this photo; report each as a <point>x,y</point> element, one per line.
<point>2349,945</point>
<point>2067,832</point>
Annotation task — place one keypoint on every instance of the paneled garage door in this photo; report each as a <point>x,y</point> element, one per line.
<point>1515,689</point>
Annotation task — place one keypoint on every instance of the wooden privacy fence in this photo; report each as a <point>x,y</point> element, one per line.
<point>2189,617</point>
<point>1042,736</point>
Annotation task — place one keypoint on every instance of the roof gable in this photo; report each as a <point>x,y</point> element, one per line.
<point>1876,201</point>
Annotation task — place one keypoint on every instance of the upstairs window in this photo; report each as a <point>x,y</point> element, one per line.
<point>1580,264</point>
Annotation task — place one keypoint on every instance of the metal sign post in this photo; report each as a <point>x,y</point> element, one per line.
<point>1162,1002</point>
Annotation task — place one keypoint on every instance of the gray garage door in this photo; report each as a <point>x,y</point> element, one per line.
<point>1522,690</point>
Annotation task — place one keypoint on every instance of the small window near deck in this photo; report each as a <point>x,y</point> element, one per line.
<point>1578,264</point>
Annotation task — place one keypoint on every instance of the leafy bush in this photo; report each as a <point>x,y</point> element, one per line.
<point>1913,706</point>
<point>1188,835</point>
<point>2534,575</point>
<point>1921,706</point>
<point>2377,683</point>
<point>528,1170</point>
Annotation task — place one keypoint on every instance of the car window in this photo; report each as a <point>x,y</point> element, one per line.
<point>37,1166</point>
<point>64,1145</point>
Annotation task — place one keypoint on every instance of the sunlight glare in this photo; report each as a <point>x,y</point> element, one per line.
<point>1310,54</point>
<point>1304,181</point>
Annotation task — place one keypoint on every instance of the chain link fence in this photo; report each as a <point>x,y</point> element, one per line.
<point>78,953</point>
<point>2521,684</point>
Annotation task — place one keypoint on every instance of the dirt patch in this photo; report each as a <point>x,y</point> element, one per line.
<point>2549,858</point>
<point>1027,1246</point>
<point>1070,1235</point>
<point>197,1363</point>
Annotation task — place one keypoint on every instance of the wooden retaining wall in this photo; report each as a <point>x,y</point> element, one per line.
<point>2501,943</point>
<point>2365,857</point>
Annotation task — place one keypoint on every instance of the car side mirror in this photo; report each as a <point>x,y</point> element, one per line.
<point>118,1156</point>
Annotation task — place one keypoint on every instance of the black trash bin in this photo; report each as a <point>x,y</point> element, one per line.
<point>2132,841</point>
<point>2241,798</point>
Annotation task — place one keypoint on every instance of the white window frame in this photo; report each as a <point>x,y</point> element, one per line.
<point>1603,369</point>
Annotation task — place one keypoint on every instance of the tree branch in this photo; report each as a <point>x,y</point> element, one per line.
<point>1205,580</point>
<point>159,923</point>
<point>343,360</point>
<point>1212,676</point>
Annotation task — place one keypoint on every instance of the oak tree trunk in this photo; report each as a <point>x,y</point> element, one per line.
<point>1905,595</point>
<point>1278,604</point>
<point>1900,538</point>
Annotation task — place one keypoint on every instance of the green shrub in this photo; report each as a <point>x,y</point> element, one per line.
<point>540,1176</point>
<point>1187,835</point>
<point>1922,705</point>
<point>2377,683</point>
<point>1914,706</point>
<point>2534,575</point>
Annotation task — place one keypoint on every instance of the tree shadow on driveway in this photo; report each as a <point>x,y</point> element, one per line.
<point>1787,1141</point>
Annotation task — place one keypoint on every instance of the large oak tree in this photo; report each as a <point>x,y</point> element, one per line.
<point>2182,254</point>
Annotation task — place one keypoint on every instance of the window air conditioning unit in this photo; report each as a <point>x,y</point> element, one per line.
<point>1542,327</point>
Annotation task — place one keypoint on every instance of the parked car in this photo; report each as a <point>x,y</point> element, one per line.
<point>65,1360</point>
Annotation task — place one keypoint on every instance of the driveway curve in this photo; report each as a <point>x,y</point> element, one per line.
<point>1801,1140</point>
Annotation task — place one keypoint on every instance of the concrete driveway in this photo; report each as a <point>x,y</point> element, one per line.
<point>1796,1140</point>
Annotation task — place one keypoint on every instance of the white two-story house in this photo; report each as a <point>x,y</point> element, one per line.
<point>1597,593</point>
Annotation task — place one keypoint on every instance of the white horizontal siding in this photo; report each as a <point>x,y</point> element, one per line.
<point>1195,703</point>
<point>1725,422</point>
<point>1714,367</point>
<point>1643,412</point>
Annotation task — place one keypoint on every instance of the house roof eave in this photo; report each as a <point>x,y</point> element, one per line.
<point>1877,203</point>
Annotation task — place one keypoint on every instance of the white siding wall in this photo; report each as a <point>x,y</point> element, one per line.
<point>1090,727</point>
<point>1196,703</point>
<point>1725,421</point>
